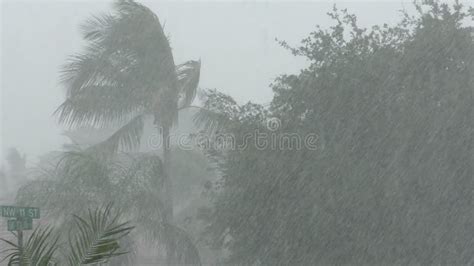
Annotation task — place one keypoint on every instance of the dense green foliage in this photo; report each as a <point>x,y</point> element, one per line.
<point>391,179</point>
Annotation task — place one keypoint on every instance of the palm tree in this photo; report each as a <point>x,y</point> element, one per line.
<point>86,178</point>
<point>126,74</point>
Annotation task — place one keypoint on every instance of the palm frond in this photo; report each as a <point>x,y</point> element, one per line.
<point>96,27</point>
<point>145,168</point>
<point>97,238</point>
<point>141,177</point>
<point>128,243</point>
<point>100,92</point>
<point>39,249</point>
<point>139,30</point>
<point>80,164</point>
<point>210,121</point>
<point>75,114</point>
<point>188,80</point>
<point>127,62</point>
<point>78,179</point>
<point>35,191</point>
<point>126,137</point>
<point>99,66</point>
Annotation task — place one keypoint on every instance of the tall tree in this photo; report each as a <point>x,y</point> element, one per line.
<point>125,74</point>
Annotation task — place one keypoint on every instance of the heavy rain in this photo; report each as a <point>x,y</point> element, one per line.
<point>237,132</point>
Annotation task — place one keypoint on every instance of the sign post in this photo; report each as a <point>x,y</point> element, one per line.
<point>22,220</point>
<point>20,245</point>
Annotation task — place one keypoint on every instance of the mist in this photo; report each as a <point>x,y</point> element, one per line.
<point>236,132</point>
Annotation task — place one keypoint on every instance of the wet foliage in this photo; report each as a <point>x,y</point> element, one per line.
<point>391,178</point>
<point>363,157</point>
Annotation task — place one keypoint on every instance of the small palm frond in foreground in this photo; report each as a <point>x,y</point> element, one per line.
<point>38,250</point>
<point>97,239</point>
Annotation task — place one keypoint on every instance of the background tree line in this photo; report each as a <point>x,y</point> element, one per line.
<point>391,180</point>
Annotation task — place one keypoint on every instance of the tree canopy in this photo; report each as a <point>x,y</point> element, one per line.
<point>391,178</point>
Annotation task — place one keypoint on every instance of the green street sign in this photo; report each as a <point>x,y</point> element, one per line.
<point>20,212</point>
<point>18,225</point>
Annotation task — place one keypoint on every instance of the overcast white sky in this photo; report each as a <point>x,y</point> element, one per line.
<point>235,41</point>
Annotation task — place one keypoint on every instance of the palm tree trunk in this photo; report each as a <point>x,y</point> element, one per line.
<point>168,188</point>
<point>168,182</point>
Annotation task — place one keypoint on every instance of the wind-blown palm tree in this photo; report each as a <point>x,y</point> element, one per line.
<point>86,178</point>
<point>126,74</point>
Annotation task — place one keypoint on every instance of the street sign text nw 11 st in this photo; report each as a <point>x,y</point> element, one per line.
<point>20,212</point>
<point>18,225</point>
